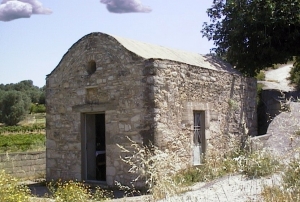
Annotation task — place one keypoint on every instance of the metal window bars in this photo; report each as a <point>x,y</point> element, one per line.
<point>197,129</point>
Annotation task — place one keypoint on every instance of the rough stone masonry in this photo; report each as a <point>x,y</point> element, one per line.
<point>108,88</point>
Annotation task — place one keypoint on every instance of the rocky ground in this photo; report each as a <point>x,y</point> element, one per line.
<point>235,188</point>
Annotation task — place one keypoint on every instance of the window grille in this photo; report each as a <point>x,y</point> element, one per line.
<point>197,129</point>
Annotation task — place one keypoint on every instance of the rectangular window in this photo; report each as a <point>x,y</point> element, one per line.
<point>197,128</point>
<point>199,136</point>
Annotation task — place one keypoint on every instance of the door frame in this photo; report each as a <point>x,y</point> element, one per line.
<point>84,152</point>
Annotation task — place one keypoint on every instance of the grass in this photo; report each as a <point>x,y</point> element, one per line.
<point>251,164</point>
<point>154,166</point>
<point>258,164</point>
<point>164,179</point>
<point>33,128</point>
<point>289,190</point>
<point>22,138</point>
<point>22,142</point>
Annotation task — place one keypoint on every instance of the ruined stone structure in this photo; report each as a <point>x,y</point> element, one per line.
<point>106,88</point>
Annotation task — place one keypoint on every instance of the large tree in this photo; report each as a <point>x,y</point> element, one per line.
<point>254,34</point>
<point>14,105</point>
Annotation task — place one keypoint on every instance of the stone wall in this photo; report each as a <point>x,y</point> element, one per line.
<point>24,165</point>
<point>117,88</point>
<point>228,100</point>
<point>146,100</point>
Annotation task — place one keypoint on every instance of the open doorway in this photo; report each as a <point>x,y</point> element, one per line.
<point>95,151</point>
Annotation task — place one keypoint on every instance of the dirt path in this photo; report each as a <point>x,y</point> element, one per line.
<point>277,78</point>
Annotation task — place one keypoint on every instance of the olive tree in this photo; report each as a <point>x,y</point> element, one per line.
<point>14,105</point>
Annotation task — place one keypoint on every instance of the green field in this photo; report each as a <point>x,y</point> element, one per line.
<point>22,142</point>
<point>29,135</point>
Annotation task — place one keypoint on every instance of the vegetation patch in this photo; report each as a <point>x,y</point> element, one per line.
<point>258,164</point>
<point>261,76</point>
<point>295,73</point>
<point>17,100</point>
<point>289,190</point>
<point>251,164</point>
<point>73,191</point>
<point>11,190</point>
<point>155,167</point>
<point>163,178</point>
<point>37,108</point>
<point>22,142</point>
<point>35,128</point>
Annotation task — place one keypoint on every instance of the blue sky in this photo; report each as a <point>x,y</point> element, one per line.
<point>30,48</point>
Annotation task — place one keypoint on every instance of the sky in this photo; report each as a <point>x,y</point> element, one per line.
<point>35,34</point>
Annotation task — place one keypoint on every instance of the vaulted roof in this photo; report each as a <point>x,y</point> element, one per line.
<point>151,51</point>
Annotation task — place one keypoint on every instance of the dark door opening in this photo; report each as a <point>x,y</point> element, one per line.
<point>100,148</point>
<point>95,154</point>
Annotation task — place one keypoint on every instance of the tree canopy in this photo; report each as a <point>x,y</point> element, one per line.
<point>14,105</point>
<point>36,94</point>
<point>254,34</point>
<point>17,99</point>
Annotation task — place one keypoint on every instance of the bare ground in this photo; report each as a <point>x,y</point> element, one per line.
<point>277,78</point>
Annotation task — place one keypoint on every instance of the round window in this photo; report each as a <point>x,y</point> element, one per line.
<point>91,67</point>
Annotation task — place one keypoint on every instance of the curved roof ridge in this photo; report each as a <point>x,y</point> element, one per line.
<point>148,51</point>
<point>151,51</point>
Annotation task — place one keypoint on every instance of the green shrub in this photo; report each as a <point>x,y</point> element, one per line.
<point>261,76</point>
<point>73,191</point>
<point>37,108</point>
<point>69,191</point>
<point>11,191</point>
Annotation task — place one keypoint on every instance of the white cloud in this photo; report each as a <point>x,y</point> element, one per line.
<point>15,9</point>
<point>125,6</point>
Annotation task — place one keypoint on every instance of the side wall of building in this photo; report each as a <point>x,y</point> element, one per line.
<point>227,100</point>
<point>117,88</point>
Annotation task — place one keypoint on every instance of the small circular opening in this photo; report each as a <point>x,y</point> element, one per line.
<point>91,67</point>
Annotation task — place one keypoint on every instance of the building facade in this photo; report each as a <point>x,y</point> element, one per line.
<point>108,88</point>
